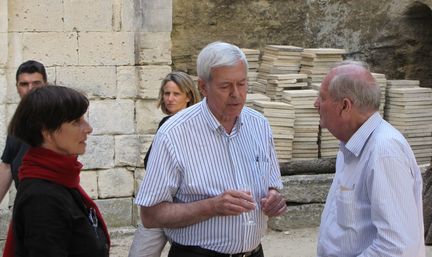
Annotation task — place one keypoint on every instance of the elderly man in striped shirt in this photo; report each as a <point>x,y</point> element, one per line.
<point>374,207</point>
<point>213,178</point>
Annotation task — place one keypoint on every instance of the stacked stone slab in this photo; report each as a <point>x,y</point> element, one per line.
<point>250,98</point>
<point>316,62</point>
<point>409,110</point>
<point>305,145</point>
<point>382,83</point>
<point>328,144</point>
<point>305,195</point>
<point>252,56</point>
<point>278,59</point>
<point>281,118</point>
<point>276,83</point>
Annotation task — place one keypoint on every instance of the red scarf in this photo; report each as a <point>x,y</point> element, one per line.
<point>42,163</point>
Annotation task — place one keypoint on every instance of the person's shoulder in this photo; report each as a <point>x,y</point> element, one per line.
<point>387,140</point>
<point>250,114</point>
<point>181,118</point>
<point>40,188</point>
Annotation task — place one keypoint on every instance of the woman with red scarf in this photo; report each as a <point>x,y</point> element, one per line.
<point>52,215</point>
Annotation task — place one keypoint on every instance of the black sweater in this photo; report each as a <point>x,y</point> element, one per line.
<point>51,220</point>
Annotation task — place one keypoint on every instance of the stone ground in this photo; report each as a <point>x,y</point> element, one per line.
<point>292,243</point>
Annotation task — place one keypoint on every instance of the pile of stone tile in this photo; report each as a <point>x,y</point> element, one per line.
<point>255,97</point>
<point>305,145</point>
<point>408,109</point>
<point>276,60</point>
<point>381,80</point>
<point>316,62</point>
<point>276,83</point>
<point>281,118</point>
<point>252,56</point>
<point>328,144</point>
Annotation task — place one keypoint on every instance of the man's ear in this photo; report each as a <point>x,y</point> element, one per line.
<point>347,106</point>
<point>202,87</point>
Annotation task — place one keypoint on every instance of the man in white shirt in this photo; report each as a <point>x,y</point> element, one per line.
<point>212,177</point>
<point>374,206</point>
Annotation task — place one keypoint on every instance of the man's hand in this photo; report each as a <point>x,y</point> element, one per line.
<point>233,202</point>
<point>273,204</point>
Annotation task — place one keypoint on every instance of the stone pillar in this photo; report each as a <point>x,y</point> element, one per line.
<point>117,55</point>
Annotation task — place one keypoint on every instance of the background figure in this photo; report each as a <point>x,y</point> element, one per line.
<point>52,215</point>
<point>177,92</point>
<point>374,206</point>
<point>213,178</point>
<point>30,74</point>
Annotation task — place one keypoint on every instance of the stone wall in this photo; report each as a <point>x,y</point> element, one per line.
<point>117,52</point>
<point>394,37</point>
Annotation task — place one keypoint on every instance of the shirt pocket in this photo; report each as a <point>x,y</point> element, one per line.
<point>348,212</point>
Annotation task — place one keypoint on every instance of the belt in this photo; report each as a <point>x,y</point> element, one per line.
<point>207,252</point>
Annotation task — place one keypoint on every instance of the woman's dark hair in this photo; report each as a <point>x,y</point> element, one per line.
<point>46,108</point>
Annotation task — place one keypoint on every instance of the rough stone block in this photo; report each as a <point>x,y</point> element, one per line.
<point>4,16</point>
<point>112,116</point>
<point>3,126</point>
<point>117,182</point>
<point>136,218</point>
<point>128,151</point>
<point>4,222</point>
<point>127,12</point>
<point>99,153</point>
<point>116,212</point>
<point>155,16</point>
<point>36,15</point>
<point>103,48</point>
<point>94,81</point>
<point>127,82</point>
<point>3,86</point>
<point>88,181</point>
<point>52,48</point>
<point>306,188</point>
<point>153,47</point>
<point>298,216</point>
<point>84,15</point>
<point>11,91</point>
<point>147,116</point>
<point>149,80</point>
<point>3,48</point>
<point>139,175</point>
<point>10,110</point>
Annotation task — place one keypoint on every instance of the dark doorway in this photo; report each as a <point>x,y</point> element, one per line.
<point>416,32</point>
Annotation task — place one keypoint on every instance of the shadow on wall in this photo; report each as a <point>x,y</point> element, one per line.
<point>406,46</point>
<point>417,23</point>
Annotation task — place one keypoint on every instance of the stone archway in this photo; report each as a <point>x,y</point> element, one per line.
<point>416,33</point>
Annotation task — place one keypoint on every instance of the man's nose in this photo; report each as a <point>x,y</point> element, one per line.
<point>235,90</point>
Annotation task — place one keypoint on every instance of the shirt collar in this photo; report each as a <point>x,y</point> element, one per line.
<point>356,143</point>
<point>214,123</point>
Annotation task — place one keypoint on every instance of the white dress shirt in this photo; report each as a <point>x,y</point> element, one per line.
<point>374,206</point>
<point>193,158</point>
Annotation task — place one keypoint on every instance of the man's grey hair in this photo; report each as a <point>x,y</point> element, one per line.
<point>218,54</point>
<point>359,86</point>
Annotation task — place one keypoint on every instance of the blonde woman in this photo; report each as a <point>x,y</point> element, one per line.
<point>177,92</point>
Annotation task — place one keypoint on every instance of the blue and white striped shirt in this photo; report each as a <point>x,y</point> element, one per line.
<point>374,207</point>
<point>193,158</point>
